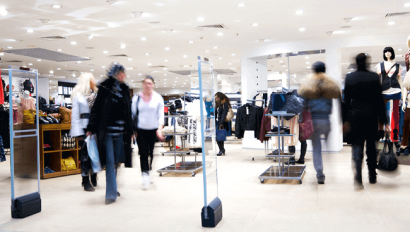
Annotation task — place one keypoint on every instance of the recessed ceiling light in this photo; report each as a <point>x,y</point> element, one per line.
<point>59,69</point>
<point>185,56</point>
<point>307,57</point>
<point>78,62</point>
<point>30,63</point>
<point>103,67</point>
<point>73,75</point>
<point>280,61</point>
<point>51,72</point>
<point>137,14</point>
<point>284,66</point>
<point>233,54</point>
<point>105,52</point>
<point>143,38</point>
<point>167,48</point>
<point>56,6</point>
<point>307,62</point>
<point>101,75</point>
<point>165,79</point>
<point>165,60</point>
<point>173,87</point>
<point>149,64</point>
<point>177,77</point>
<point>391,23</point>
<point>230,63</point>
<point>241,4</point>
<point>215,47</point>
<point>308,67</point>
<point>59,50</point>
<point>191,42</point>
<point>255,24</point>
<point>200,19</point>
<point>400,49</point>
<point>147,54</point>
<point>165,68</point>
<point>90,36</point>
<point>219,58</point>
<point>302,29</point>
<point>139,74</point>
<point>207,51</point>
<point>165,75</point>
<point>92,70</point>
<point>406,4</point>
<point>299,12</point>
<point>122,46</point>
<point>9,47</point>
<point>73,42</point>
<point>220,34</point>
<point>39,60</point>
<point>30,31</point>
<point>129,59</point>
<point>3,11</point>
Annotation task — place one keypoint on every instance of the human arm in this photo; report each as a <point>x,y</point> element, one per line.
<point>96,111</point>
<point>225,109</point>
<point>161,117</point>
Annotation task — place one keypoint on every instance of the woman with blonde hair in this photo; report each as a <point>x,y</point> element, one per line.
<point>83,97</point>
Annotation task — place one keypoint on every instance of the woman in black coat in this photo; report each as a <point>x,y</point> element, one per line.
<point>222,107</point>
<point>110,119</point>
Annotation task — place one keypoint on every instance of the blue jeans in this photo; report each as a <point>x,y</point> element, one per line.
<point>115,148</point>
<point>321,127</point>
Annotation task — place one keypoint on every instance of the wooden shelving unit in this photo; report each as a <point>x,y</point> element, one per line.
<point>52,135</point>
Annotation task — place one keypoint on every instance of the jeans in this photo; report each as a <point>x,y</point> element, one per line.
<point>321,127</point>
<point>146,142</point>
<point>115,149</point>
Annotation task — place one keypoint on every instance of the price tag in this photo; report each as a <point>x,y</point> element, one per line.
<point>247,110</point>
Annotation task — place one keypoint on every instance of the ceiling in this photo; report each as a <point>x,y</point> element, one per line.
<point>113,25</point>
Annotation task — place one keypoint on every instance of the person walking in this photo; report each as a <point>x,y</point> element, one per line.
<point>319,92</point>
<point>83,98</point>
<point>110,119</point>
<point>222,107</point>
<point>147,122</point>
<point>364,110</point>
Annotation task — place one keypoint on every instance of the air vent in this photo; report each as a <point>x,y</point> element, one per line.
<point>402,14</point>
<point>14,61</point>
<point>158,66</point>
<point>53,37</point>
<point>211,27</point>
<point>346,27</point>
<point>154,22</point>
<point>119,55</point>
<point>45,54</point>
<point>89,47</point>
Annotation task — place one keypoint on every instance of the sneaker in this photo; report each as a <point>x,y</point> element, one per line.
<point>145,181</point>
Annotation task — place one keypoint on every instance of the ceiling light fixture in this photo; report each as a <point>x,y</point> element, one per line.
<point>51,72</point>
<point>3,12</point>
<point>147,54</point>
<point>137,14</point>
<point>103,67</point>
<point>56,6</point>
<point>219,58</point>
<point>59,50</point>
<point>406,4</point>
<point>58,69</point>
<point>308,67</point>
<point>90,36</point>
<point>230,63</point>
<point>78,62</point>
<point>129,59</point>
<point>73,42</point>
<point>207,51</point>
<point>30,31</point>
<point>255,24</point>
<point>233,54</point>
<point>220,34</point>
<point>167,48</point>
<point>299,12</point>
<point>391,23</point>
<point>92,70</point>
<point>302,29</point>
<point>185,56</point>
<point>200,19</point>
<point>143,38</point>
<point>139,74</point>
<point>165,60</point>
<point>215,47</point>
<point>105,52</point>
<point>191,42</point>
<point>149,64</point>
<point>9,47</point>
<point>39,60</point>
<point>241,5</point>
<point>307,62</point>
<point>30,63</point>
<point>73,75</point>
<point>307,57</point>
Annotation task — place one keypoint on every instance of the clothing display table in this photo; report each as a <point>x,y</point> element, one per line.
<point>183,166</point>
<point>282,171</point>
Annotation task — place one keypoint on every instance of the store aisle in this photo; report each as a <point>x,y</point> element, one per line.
<point>174,203</point>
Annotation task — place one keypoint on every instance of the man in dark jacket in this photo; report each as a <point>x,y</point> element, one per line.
<point>364,110</point>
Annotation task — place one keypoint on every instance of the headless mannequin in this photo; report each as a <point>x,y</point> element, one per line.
<point>26,94</point>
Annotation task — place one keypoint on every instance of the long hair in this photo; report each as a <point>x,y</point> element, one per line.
<point>406,82</point>
<point>222,97</point>
<point>83,86</point>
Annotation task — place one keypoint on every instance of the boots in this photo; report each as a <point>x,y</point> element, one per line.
<point>372,177</point>
<point>87,185</point>
<point>291,161</point>
<point>94,179</point>
<point>221,148</point>
<point>303,149</point>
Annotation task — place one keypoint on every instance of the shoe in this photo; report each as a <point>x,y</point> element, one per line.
<point>145,181</point>
<point>118,194</point>
<point>87,185</point>
<point>221,153</point>
<point>276,152</point>
<point>292,149</point>
<point>321,182</point>
<point>300,161</point>
<point>406,151</point>
<point>109,201</point>
<point>400,150</point>
<point>373,179</point>
<point>291,161</point>
<point>43,120</point>
<point>94,179</point>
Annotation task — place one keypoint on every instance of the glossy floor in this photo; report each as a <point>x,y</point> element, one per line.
<point>174,202</point>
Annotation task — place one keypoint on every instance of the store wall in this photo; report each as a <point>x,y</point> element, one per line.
<point>43,85</point>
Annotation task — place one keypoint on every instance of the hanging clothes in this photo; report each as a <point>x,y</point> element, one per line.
<point>293,125</point>
<point>262,99</point>
<point>5,127</point>
<point>248,117</point>
<point>1,91</point>
<point>265,126</point>
<point>2,153</point>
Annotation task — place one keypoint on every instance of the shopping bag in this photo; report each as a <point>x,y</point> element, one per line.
<point>93,153</point>
<point>306,126</point>
<point>220,135</point>
<point>388,160</point>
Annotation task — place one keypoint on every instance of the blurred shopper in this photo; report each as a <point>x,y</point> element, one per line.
<point>222,107</point>
<point>148,119</point>
<point>364,109</point>
<point>83,98</point>
<point>318,91</point>
<point>111,120</point>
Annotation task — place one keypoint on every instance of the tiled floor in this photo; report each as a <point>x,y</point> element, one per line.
<point>174,203</point>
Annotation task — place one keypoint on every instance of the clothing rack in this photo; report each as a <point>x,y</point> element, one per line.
<point>264,103</point>
<point>262,91</point>
<point>189,95</point>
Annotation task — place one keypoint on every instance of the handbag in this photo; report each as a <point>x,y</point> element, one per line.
<point>278,101</point>
<point>220,135</point>
<point>388,159</point>
<point>229,115</point>
<point>65,115</point>
<point>93,153</point>
<point>306,126</point>
<point>68,164</point>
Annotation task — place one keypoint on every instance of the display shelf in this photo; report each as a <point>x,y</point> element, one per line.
<point>279,135</point>
<point>278,156</point>
<point>61,173</point>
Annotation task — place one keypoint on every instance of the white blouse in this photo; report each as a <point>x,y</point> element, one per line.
<point>151,114</point>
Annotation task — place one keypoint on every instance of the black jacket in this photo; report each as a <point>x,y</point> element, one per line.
<point>104,111</point>
<point>248,117</point>
<point>363,102</point>
<point>222,111</point>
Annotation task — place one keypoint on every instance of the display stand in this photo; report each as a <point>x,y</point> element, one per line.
<point>183,166</point>
<point>282,171</point>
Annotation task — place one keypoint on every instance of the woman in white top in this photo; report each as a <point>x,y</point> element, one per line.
<point>83,97</point>
<point>148,119</point>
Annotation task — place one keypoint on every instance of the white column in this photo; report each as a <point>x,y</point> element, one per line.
<point>254,77</point>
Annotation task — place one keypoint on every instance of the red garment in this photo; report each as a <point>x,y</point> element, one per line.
<point>1,91</point>
<point>395,122</point>
<point>165,109</point>
<point>265,126</point>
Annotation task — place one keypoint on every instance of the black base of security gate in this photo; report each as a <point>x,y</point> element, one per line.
<point>25,206</point>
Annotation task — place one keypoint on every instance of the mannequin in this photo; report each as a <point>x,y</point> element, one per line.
<point>26,94</point>
<point>390,74</point>
<point>27,103</point>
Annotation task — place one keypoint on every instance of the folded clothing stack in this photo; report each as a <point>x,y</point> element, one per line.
<point>178,130</point>
<point>283,130</point>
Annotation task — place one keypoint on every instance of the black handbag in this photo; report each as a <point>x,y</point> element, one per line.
<point>388,160</point>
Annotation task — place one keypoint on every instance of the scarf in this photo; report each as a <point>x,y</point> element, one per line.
<point>91,99</point>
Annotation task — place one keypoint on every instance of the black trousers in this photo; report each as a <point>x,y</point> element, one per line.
<point>85,160</point>
<point>221,145</point>
<point>146,141</point>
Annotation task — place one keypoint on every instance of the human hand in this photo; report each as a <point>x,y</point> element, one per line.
<point>387,129</point>
<point>160,136</point>
<point>89,133</point>
<point>403,108</point>
<point>346,128</point>
<point>135,134</point>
